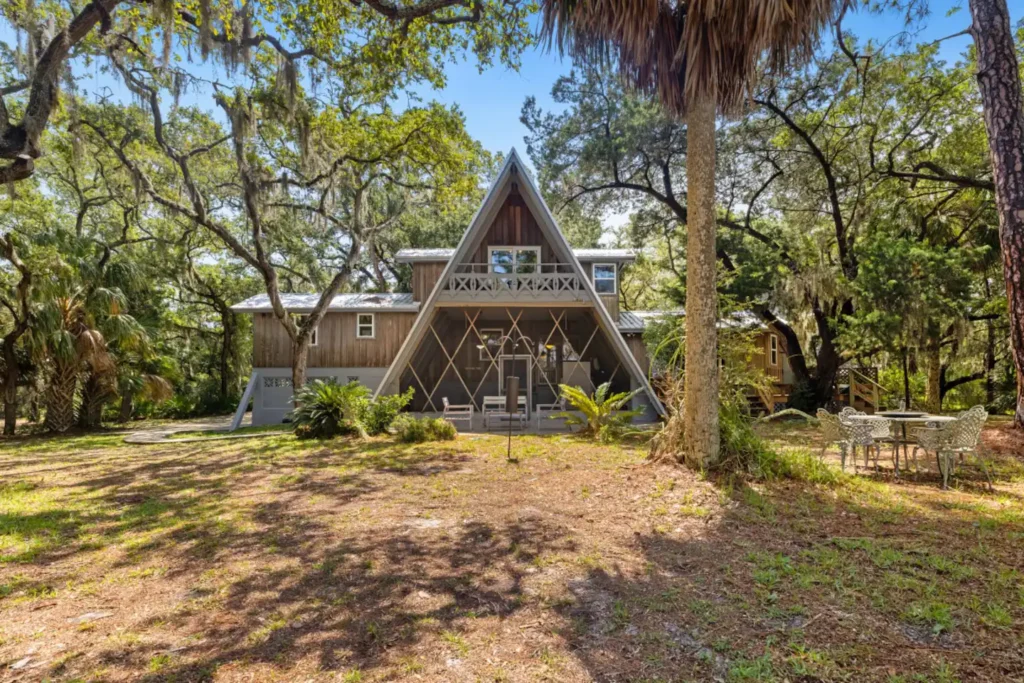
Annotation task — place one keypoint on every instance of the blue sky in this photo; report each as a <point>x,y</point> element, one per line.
<point>492,100</point>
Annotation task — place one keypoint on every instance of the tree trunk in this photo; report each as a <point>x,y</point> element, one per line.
<point>933,395</point>
<point>11,376</point>
<point>60,398</point>
<point>990,362</point>
<point>228,378</point>
<point>300,358</point>
<point>124,414</point>
<point>999,83</point>
<point>700,416</point>
<point>95,394</point>
<point>906,378</point>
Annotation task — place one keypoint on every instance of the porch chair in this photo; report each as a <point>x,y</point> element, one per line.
<point>957,438</point>
<point>548,411</point>
<point>453,412</point>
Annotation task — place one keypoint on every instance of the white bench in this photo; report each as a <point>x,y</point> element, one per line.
<point>494,412</point>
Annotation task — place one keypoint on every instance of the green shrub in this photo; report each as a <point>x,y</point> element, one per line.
<point>603,414</point>
<point>328,409</point>
<point>383,410</point>
<point>408,429</point>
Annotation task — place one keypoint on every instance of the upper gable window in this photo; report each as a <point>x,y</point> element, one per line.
<point>605,281</point>
<point>514,259</point>
<point>774,350</point>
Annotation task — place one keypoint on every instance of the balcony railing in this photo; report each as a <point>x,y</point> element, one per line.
<point>538,281</point>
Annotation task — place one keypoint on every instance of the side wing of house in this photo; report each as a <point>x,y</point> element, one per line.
<point>357,340</point>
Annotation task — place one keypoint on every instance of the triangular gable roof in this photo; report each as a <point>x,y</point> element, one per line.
<point>492,201</point>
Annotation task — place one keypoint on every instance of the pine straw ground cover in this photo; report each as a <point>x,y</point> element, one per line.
<point>281,560</point>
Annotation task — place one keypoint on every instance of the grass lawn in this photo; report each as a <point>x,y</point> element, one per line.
<point>280,560</point>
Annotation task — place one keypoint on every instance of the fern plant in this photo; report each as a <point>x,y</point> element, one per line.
<point>602,414</point>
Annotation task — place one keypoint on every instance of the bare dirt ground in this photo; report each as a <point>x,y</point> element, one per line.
<point>281,560</point>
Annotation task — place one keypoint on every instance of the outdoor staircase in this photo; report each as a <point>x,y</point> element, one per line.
<point>859,388</point>
<point>767,401</point>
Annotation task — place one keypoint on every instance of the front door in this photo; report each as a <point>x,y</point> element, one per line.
<point>518,366</point>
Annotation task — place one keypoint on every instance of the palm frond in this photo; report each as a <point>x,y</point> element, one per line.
<point>687,50</point>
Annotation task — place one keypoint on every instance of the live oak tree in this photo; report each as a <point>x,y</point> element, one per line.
<point>382,45</point>
<point>791,237</point>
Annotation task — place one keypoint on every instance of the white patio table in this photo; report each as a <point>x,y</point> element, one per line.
<point>903,418</point>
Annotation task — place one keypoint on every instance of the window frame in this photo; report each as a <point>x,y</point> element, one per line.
<point>515,261</point>
<point>773,350</point>
<point>373,326</point>
<point>483,354</point>
<point>614,278</point>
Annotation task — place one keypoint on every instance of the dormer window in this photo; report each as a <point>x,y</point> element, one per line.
<point>605,278</point>
<point>514,259</point>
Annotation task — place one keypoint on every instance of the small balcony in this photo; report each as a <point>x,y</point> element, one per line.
<point>526,283</point>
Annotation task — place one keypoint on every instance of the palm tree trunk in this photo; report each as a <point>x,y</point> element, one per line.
<point>60,398</point>
<point>999,83</point>
<point>700,417</point>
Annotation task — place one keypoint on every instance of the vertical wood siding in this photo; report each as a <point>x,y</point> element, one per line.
<point>514,225</point>
<point>424,277</point>
<point>337,346</point>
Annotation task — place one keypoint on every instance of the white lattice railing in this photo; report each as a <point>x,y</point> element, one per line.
<point>547,279</point>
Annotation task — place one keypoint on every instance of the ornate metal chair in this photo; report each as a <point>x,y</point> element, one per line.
<point>848,436</point>
<point>954,440</point>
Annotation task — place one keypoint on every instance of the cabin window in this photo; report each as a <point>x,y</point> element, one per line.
<point>773,348</point>
<point>490,346</point>
<point>300,320</point>
<point>364,326</point>
<point>605,278</point>
<point>514,259</point>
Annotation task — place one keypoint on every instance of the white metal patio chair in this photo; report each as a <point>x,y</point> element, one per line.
<point>546,412</point>
<point>456,412</point>
<point>953,441</point>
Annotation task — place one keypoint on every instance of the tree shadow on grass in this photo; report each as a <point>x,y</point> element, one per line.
<point>802,582</point>
<point>362,603</point>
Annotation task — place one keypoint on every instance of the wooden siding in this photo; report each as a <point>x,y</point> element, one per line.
<point>424,277</point>
<point>337,346</point>
<point>513,225</point>
<point>762,355</point>
<point>611,302</point>
<point>635,342</point>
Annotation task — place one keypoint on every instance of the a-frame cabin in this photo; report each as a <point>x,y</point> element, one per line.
<point>513,298</point>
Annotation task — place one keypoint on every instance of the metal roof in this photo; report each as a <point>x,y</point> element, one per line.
<point>605,254</point>
<point>634,321</point>
<point>300,303</point>
<point>588,255</point>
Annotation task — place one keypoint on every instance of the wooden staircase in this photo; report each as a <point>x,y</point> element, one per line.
<point>765,401</point>
<point>859,388</point>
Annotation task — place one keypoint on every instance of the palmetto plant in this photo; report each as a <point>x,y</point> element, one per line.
<point>328,409</point>
<point>602,413</point>
<point>71,335</point>
<point>698,57</point>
